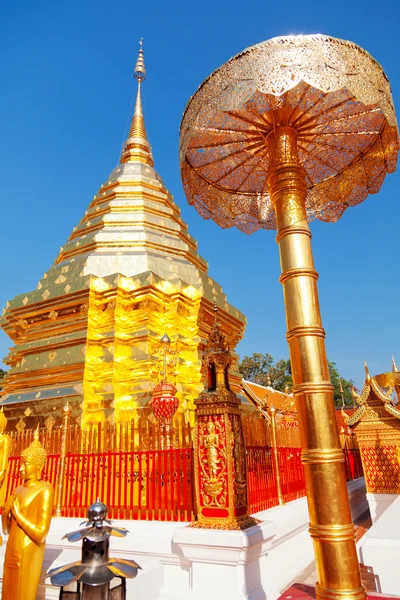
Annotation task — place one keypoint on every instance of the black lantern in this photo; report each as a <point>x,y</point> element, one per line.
<point>94,573</point>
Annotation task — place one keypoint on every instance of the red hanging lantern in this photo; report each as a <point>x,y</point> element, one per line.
<point>164,402</point>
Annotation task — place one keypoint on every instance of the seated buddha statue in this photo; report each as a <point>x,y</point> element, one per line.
<point>26,518</point>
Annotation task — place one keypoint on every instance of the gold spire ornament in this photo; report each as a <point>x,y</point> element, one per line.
<point>140,69</point>
<point>289,130</point>
<point>26,519</point>
<point>137,146</point>
<point>341,392</point>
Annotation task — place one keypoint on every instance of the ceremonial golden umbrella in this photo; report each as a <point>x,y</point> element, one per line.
<point>292,129</point>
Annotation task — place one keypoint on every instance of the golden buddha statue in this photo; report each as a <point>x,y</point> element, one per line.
<point>26,518</point>
<point>5,445</point>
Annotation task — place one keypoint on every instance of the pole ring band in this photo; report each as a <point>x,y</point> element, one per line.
<point>303,331</point>
<point>324,387</point>
<point>332,533</point>
<point>324,593</point>
<point>289,230</point>
<point>298,272</point>
<point>320,456</point>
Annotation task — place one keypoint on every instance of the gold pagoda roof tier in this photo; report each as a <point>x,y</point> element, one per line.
<point>129,272</point>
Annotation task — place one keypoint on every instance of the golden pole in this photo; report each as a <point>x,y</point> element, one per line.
<point>331,526</point>
<point>272,414</point>
<point>66,412</point>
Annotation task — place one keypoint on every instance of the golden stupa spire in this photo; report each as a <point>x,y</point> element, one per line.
<point>394,366</point>
<point>137,147</point>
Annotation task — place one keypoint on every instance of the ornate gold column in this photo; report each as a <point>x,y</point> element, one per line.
<point>283,133</point>
<point>331,526</point>
<point>66,413</point>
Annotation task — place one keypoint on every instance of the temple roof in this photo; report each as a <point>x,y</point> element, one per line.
<point>264,397</point>
<point>377,391</point>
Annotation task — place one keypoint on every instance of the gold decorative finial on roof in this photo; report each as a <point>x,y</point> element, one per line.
<point>140,69</point>
<point>215,313</point>
<point>394,366</point>
<point>137,147</point>
<point>367,375</point>
<point>341,391</point>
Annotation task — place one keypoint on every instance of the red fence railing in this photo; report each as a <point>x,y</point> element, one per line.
<point>292,473</point>
<point>262,488</point>
<point>158,484</point>
<point>151,485</point>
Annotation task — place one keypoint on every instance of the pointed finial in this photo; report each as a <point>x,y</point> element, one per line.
<point>394,366</point>
<point>367,375</point>
<point>140,69</point>
<point>215,313</point>
<point>341,391</point>
<point>36,434</point>
<point>137,147</point>
<point>67,409</point>
<point>165,339</point>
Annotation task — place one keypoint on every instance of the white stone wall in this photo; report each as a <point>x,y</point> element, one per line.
<point>179,562</point>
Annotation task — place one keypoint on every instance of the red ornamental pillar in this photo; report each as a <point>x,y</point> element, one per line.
<point>165,404</point>
<point>220,456</point>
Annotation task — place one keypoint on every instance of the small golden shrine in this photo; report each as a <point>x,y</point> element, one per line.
<point>376,423</point>
<point>130,272</point>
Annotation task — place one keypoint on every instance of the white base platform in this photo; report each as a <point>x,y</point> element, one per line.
<point>179,562</point>
<point>380,546</point>
<point>378,503</point>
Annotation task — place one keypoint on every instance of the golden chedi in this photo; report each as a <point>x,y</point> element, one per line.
<point>129,272</point>
<point>26,518</point>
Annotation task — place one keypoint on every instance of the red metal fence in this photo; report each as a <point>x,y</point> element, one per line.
<point>262,487</point>
<point>158,484</point>
<point>153,484</point>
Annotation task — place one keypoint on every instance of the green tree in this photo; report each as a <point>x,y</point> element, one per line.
<point>2,374</point>
<point>262,369</point>
<point>256,368</point>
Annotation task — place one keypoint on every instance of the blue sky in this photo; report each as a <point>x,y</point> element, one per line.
<point>66,89</point>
